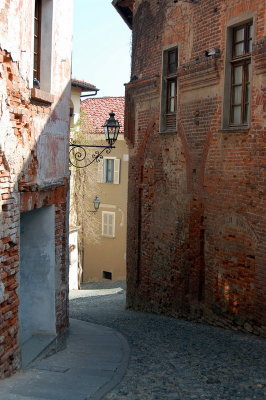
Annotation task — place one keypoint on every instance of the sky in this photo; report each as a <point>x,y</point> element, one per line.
<point>101,47</point>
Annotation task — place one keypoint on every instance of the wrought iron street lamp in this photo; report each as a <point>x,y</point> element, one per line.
<point>96,204</point>
<point>78,156</point>
<point>111,129</point>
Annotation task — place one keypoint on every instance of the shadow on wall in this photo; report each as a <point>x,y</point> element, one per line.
<point>34,180</point>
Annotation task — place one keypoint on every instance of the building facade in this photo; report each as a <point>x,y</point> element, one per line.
<point>35,65</point>
<point>102,233</point>
<point>78,89</point>
<point>195,124</point>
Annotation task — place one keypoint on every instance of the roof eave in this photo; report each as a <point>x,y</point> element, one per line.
<point>91,89</point>
<point>124,8</point>
<point>84,87</point>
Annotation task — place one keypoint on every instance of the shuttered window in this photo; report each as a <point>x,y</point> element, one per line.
<point>108,224</point>
<point>100,172</point>
<point>109,171</point>
<point>116,171</point>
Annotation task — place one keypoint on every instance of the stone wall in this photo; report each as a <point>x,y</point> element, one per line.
<point>196,205</point>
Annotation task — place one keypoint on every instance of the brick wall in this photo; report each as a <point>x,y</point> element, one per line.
<point>9,258</point>
<point>196,213</point>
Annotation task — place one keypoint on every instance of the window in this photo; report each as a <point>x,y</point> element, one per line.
<point>107,275</point>
<point>169,90</point>
<point>42,44</point>
<point>109,171</point>
<point>240,74</point>
<point>37,40</point>
<point>108,224</point>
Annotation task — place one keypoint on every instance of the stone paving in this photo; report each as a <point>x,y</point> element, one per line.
<point>174,359</point>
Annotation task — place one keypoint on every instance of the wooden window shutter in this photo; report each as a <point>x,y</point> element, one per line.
<point>170,122</point>
<point>111,231</point>
<point>117,171</point>
<point>108,224</point>
<point>100,172</point>
<point>105,224</point>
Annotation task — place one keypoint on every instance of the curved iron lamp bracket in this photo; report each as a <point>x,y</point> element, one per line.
<point>79,158</point>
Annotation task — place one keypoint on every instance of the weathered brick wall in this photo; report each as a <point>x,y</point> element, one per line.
<point>196,214</point>
<point>9,249</point>
<point>33,164</point>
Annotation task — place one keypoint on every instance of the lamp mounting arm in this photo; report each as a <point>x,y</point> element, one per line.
<point>79,157</point>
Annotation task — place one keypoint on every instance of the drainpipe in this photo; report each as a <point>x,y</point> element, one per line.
<point>89,95</point>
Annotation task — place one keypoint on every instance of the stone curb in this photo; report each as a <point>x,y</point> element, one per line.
<point>119,373</point>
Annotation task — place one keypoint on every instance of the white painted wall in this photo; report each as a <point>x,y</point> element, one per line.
<point>49,133</point>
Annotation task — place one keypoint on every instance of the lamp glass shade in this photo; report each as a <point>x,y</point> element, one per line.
<point>96,203</point>
<point>111,129</point>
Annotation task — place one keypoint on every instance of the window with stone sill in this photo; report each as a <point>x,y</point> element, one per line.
<point>241,74</point>
<point>238,76</point>
<point>169,91</point>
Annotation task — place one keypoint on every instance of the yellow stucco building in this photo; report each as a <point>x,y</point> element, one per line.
<point>102,234</point>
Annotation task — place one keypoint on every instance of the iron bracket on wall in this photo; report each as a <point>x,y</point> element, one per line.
<point>79,158</point>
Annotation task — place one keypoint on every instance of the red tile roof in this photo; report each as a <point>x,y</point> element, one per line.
<point>95,111</point>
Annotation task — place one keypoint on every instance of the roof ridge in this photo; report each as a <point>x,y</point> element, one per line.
<point>105,97</point>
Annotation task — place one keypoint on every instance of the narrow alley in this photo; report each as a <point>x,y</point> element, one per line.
<point>174,359</point>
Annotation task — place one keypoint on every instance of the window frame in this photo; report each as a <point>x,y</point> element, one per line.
<point>45,46</point>
<point>169,96</point>
<point>109,169</point>
<point>168,117</point>
<point>235,23</point>
<point>245,98</point>
<point>37,40</point>
<point>102,170</point>
<point>243,60</point>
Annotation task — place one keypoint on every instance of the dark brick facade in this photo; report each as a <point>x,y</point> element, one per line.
<point>196,205</point>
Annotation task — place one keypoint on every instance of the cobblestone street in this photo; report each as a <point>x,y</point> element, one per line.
<point>174,359</point>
